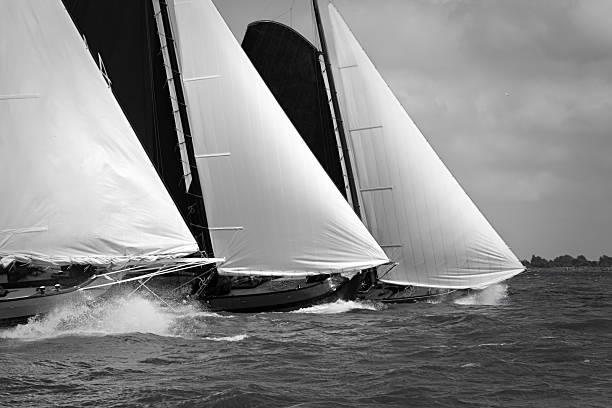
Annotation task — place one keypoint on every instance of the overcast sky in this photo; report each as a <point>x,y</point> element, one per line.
<point>515,96</point>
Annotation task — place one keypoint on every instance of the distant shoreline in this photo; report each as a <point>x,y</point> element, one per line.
<point>570,269</point>
<point>568,261</point>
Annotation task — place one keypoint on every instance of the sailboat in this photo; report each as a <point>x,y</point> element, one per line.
<point>271,209</point>
<point>428,226</point>
<point>287,235</point>
<point>83,206</point>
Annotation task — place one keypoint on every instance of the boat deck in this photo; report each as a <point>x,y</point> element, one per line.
<point>20,293</point>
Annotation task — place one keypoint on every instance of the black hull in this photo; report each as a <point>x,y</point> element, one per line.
<point>14,321</point>
<point>300,295</point>
<point>391,293</point>
<point>21,304</point>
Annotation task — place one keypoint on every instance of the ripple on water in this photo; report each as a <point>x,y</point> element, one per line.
<point>539,341</point>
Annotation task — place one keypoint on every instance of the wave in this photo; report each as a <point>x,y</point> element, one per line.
<point>340,306</point>
<point>493,295</point>
<point>111,316</point>
<point>238,337</point>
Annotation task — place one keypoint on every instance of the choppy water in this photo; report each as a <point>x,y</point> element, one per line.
<point>542,340</point>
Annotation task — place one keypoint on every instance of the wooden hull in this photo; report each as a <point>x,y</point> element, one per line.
<point>296,294</point>
<point>20,304</point>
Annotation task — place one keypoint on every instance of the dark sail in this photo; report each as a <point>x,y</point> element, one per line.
<point>289,64</point>
<point>124,33</point>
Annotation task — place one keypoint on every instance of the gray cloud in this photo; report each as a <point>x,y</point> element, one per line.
<point>515,96</point>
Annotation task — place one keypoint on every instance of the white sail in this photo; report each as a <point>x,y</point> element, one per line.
<point>77,187</point>
<point>270,206</point>
<point>413,205</point>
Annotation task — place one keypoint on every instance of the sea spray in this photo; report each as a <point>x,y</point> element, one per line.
<point>490,296</point>
<point>118,314</point>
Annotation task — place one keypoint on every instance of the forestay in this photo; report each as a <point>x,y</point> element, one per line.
<point>413,205</point>
<point>271,208</point>
<point>77,187</point>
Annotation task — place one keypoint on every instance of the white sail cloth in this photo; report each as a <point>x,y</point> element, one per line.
<point>271,208</point>
<point>77,187</point>
<point>413,205</point>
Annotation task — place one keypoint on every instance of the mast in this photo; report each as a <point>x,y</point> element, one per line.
<point>196,210</point>
<point>337,114</point>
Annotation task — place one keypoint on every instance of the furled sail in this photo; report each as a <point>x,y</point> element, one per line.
<point>413,205</point>
<point>271,208</point>
<point>77,186</point>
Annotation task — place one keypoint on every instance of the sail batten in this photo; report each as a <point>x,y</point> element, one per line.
<point>201,78</point>
<point>294,220</point>
<point>19,96</point>
<point>442,239</point>
<point>77,185</point>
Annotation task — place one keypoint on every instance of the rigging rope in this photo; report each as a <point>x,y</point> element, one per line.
<point>162,270</point>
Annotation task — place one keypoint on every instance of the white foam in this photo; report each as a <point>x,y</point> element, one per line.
<point>341,306</point>
<point>112,316</point>
<point>238,337</point>
<point>490,296</point>
<point>193,312</point>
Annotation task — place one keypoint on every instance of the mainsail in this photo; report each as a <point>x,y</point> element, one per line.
<point>290,65</point>
<point>77,185</point>
<point>413,205</point>
<point>271,208</point>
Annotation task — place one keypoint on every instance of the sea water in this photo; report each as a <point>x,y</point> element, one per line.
<point>543,339</point>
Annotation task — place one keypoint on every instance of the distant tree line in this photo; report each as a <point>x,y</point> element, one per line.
<point>566,261</point>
